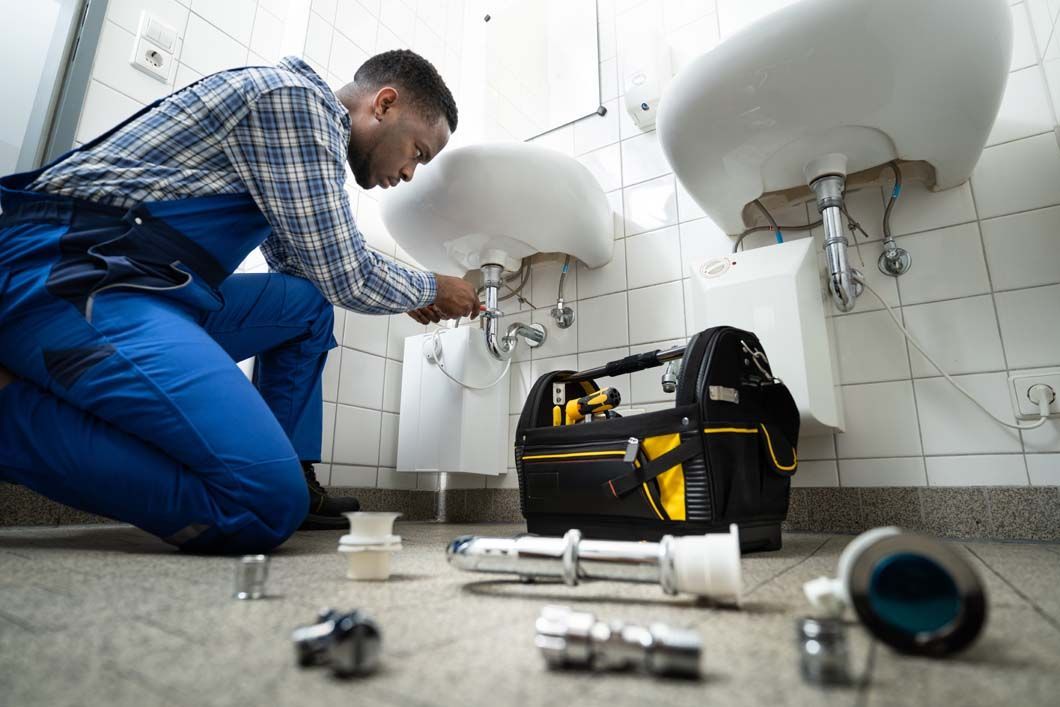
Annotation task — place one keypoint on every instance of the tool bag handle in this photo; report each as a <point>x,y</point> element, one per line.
<point>629,364</point>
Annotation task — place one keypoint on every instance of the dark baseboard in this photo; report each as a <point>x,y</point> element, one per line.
<point>981,512</point>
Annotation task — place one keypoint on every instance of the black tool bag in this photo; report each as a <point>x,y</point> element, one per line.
<point>725,452</point>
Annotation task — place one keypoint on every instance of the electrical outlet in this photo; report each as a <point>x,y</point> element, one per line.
<point>1019,387</point>
<point>153,48</point>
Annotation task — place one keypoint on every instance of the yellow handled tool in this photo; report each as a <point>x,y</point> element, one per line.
<point>587,405</point>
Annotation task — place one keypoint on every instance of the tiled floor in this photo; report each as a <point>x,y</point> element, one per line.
<point>110,616</point>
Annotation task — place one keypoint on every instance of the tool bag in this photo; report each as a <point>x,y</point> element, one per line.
<point>724,453</point>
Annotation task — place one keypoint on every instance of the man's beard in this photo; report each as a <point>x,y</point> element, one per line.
<point>359,167</point>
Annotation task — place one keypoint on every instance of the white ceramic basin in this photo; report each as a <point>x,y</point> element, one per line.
<point>876,81</point>
<point>497,203</point>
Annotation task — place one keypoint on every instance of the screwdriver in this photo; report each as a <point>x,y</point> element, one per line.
<point>587,405</point>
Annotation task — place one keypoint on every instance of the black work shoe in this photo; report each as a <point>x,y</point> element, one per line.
<point>325,512</point>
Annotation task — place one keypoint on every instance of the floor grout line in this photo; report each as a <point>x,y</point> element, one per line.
<point>787,569</point>
<point>1049,618</point>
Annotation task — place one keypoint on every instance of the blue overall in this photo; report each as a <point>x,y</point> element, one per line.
<point>123,327</point>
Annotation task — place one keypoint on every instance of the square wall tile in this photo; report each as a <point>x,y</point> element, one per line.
<point>1028,326</point>
<point>948,263</point>
<point>103,109</point>
<point>363,477</point>
<point>544,280</point>
<point>519,382</point>
<point>1044,469</point>
<point>388,440</point>
<point>880,421</point>
<point>603,322</point>
<point>561,139</point>
<point>605,165</point>
<point>689,42</point>
<point>356,436</point>
<point>1017,176</point>
<point>208,49</point>
<point>700,240</point>
<point>234,17</point>
<point>870,348</point>
<point>961,335</point>
<point>1024,52</point>
<point>330,378</point>
<point>593,282</point>
<point>345,58</point>
<point>401,327</point>
<point>977,470</point>
<point>361,379</point>
<point>687,208</point>
<point>392,386</point>
<point>900,471</point>
<point>642,159</point>
<point>126,13</point>
<point>324,8</point>
<point>816,474</point>
<point>650,205</point>
<point>920,209</point>
<point>559,342</point>
<point>328,437</point>
<point>541,366</point>
<point>267,39</point>
<point>653,258</point>
<point>1025,108</point>
<point>951,424</point>
<point>1023,250</point>
<point>816,447</point>
<point>618,212</point>
<point>390,478</point>
<point>399,18</point>
<point>609,88</point>
<point>656,313</point>
<point>366,332</point>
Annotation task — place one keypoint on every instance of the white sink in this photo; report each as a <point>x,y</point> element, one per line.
<point>496,203</point>
<point>871,80</point>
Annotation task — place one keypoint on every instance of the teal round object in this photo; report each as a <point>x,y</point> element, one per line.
<point>913,593</point>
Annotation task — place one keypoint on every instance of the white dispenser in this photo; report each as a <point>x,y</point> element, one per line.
<point>648,68</point>
<point>444,425</point>
<point>776,293</point>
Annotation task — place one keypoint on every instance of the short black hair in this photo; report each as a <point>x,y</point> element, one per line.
<point>408,70</point>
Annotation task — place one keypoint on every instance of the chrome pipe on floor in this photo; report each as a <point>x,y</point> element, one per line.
<point>702,565</point>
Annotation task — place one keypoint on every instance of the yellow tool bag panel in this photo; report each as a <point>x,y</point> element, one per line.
<point>724,453</point>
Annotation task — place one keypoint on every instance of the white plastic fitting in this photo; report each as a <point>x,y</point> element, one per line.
<point>709,565</point>
<point>1043,395</point>
<point>369,544</point>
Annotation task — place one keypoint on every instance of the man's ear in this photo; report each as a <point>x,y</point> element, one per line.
<point>385,98</point>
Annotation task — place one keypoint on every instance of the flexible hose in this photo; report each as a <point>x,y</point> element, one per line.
<point>436,345</point>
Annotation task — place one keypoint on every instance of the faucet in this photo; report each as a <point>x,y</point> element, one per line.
<point>501,347</point>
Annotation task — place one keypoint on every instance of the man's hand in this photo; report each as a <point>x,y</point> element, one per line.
<point>455,298</point>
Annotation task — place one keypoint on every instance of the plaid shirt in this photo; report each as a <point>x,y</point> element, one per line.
<point>277,133</point>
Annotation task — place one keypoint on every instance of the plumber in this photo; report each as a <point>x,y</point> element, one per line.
<point>121,320</point>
